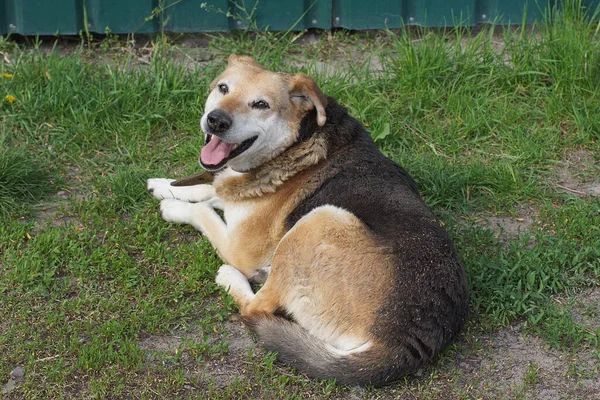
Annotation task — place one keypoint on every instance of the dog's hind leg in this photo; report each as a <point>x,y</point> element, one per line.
<point>236,284</point>
<point>265,301</point>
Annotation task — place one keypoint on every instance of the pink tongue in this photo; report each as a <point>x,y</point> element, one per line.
<point>215,151</point>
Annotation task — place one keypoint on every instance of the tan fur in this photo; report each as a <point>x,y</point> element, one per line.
<point>252,243</point>
<point>255,80</point>
<point>245,61</point>
<point>269,194</point>
<point>313,261</point>
<point>302,85</point>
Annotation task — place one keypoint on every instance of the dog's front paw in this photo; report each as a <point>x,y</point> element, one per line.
<point>160,188</point>
<point>231,279</point>
<point>172,210</point>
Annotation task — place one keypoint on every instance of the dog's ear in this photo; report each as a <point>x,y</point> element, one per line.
<point>305,93</point>
<point>234,59</point>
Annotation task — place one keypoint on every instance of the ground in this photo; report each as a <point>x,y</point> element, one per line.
<point>101,298</point>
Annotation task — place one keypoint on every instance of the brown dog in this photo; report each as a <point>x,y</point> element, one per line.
<point>364,283</point>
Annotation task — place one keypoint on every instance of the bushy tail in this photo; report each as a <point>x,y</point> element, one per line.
<point>294,346</point>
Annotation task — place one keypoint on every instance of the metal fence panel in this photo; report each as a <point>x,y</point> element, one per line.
<point>68,17</point>
<point>31,17</point>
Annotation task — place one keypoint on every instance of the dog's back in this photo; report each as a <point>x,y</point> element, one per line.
<point>427,302</point>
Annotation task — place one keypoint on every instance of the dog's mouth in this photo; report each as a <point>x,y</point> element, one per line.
<point>216,152</point>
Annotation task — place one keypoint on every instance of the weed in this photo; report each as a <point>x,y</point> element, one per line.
<point>531,376</point>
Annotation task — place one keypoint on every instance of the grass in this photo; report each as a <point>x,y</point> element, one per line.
<point>480,120</point>
<point>23,179</point>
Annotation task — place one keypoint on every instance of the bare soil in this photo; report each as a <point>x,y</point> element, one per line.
<point>509,227</point>
<point>578,173</point>
<point>220,371</point>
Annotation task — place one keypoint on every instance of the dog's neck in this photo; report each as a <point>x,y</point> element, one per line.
<point>269,177</point>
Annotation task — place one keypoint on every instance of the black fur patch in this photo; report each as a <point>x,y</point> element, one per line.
<point>308,126</point>
<point>430,299</point>
<point>282,313</point>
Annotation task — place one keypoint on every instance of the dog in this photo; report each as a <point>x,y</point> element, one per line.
<point>364,284</point>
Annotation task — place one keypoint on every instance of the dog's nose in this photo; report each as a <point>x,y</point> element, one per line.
<point>218,121</point>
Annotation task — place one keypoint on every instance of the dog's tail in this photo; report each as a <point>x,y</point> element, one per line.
<point>377,365</point>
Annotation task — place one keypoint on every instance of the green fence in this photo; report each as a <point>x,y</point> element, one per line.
<point>68,17</point>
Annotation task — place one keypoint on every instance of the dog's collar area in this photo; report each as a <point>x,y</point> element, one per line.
<point>267,177</point>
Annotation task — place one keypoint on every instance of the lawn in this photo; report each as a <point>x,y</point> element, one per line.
<point>101,298</point>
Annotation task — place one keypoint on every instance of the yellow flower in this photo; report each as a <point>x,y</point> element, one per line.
<point>7,75</point>
<point>10,98</point>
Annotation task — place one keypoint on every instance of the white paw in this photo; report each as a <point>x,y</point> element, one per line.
<point>197,193</point>
<point>232,280</point>
<point>180,212</point>
<point>160,188</point>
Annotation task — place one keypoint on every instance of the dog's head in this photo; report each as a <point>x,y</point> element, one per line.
<point>252,115</point>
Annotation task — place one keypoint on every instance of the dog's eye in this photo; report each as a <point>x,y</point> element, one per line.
<point>223,88</point>
<point>261,105</point>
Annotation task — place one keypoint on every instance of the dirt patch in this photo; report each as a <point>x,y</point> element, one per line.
<point>166,343</point>
<point>55,213</point>
<point>578,173</point>
<point>503,365</point>
<point>509,227</point>
<point>340,66</point>
<point>586,309</point>
<point>511,361</point>
<point>17,375</point>
<point>238,337</point>
<point>220,371</point>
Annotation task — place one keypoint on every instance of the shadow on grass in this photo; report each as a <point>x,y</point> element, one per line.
<point>24,180</point>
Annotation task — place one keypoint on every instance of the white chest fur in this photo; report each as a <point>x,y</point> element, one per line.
<point>236,213</point>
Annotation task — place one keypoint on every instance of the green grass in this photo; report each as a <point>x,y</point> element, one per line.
<point>480,121</point>
<point>24,180</point>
